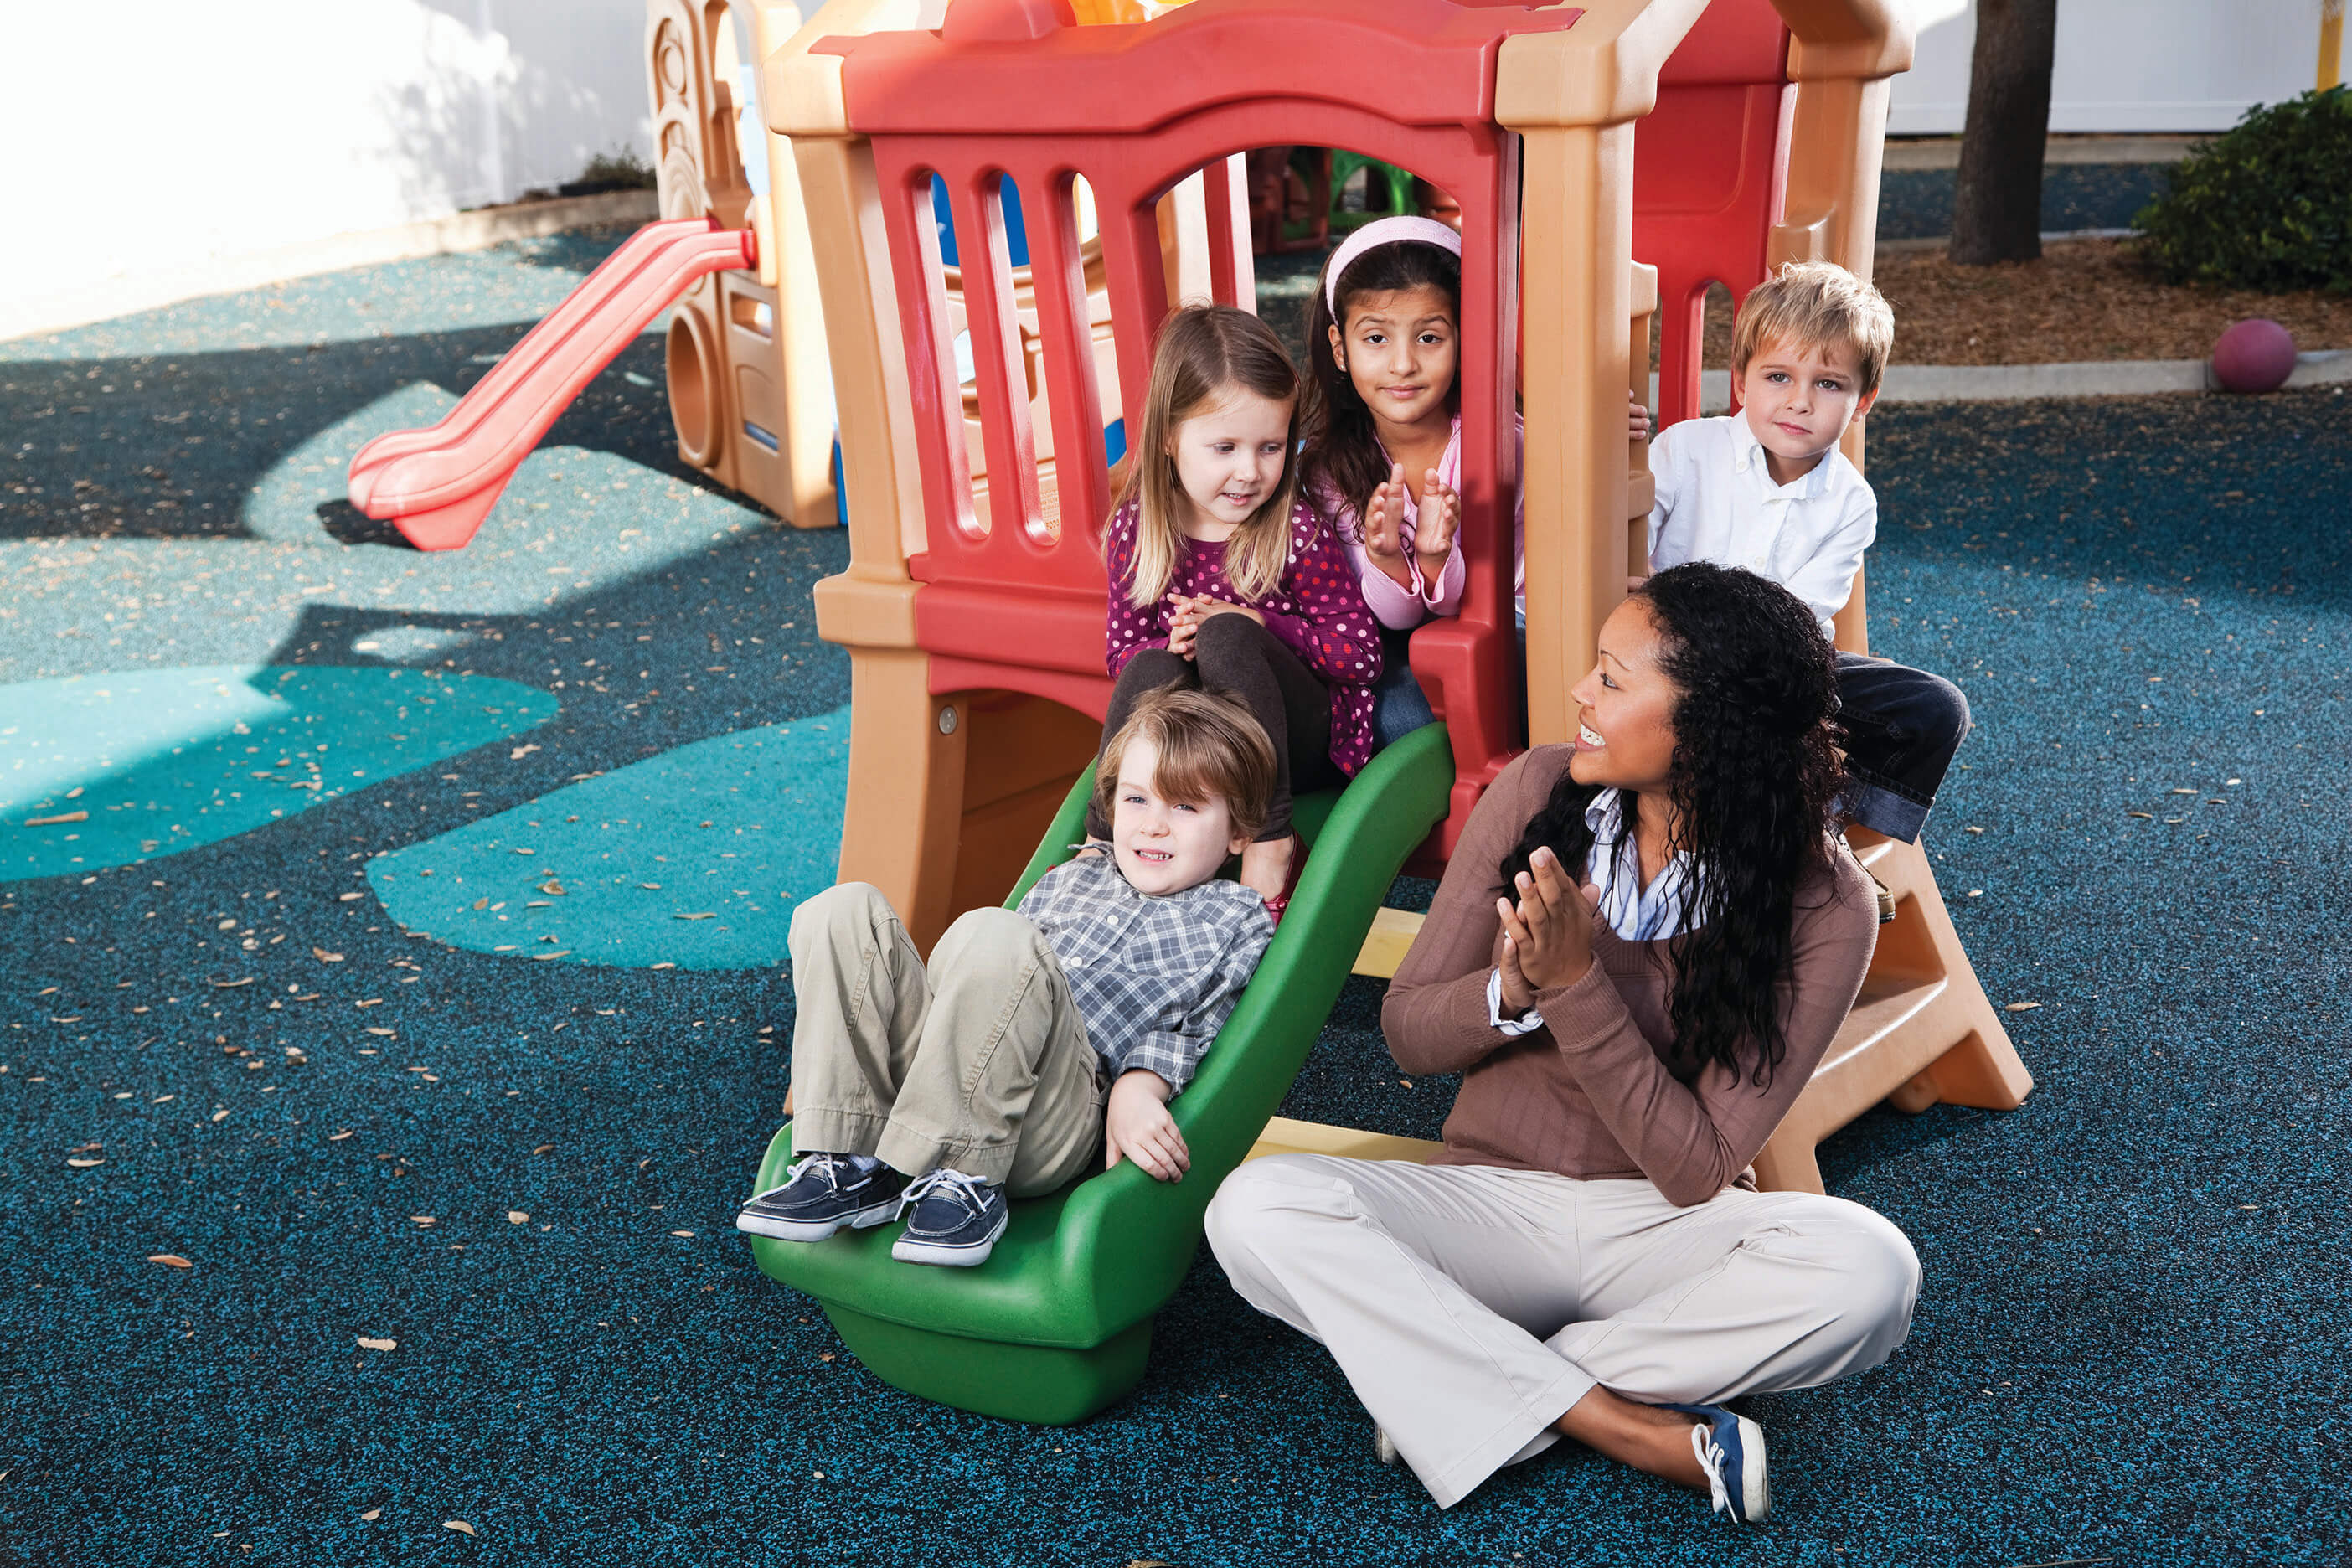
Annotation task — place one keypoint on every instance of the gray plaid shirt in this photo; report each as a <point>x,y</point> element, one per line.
<point>1154,978</point>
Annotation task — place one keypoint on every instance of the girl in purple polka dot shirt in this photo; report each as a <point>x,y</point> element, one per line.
<point>1221,577</point>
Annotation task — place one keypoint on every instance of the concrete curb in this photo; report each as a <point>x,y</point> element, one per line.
<point>1905,153</point>
<point>2119,378</point>
<point>1997,383</point>
<point>125,294</point>
<point>2048,237</point>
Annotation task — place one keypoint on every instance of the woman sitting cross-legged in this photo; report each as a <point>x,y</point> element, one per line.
<point>1643,946</point>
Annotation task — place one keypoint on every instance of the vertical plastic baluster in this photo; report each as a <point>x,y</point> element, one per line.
<point>997,370</point>
<point>933,387</point>
<point>1058,281</point>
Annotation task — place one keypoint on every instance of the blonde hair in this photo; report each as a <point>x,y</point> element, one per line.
<point>1204,353</point>
<point>1210,749</point>
<point>1816,304</point>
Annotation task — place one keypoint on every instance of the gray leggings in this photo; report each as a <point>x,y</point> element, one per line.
<point>1234,655</point>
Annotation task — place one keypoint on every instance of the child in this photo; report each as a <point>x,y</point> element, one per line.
<point>1766,489</point>
<point>1034,1036</point>
<point>1220,578</point>
<point>1384,330</point>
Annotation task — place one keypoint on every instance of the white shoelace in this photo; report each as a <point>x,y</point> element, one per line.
<point>832,1165</point>
<point>971,1191</point>
<point>1710,1459</point>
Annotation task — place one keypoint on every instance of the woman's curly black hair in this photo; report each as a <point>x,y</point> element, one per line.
<point>1755,771</point>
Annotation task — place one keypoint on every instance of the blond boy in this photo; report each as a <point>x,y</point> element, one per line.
<point>1766,489</point>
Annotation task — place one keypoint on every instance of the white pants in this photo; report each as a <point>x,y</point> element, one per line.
<point>1470,1307</point>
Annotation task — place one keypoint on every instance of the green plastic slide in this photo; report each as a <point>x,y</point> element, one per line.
<point>1057,1323</point>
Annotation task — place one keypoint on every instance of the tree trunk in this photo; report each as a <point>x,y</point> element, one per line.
<point>1997,209</point>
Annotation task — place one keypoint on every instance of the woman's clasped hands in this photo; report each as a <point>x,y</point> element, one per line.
<point>1187,611</point>
<point>1547,931</point>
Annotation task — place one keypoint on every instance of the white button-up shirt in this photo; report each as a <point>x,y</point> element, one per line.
<point>1717,501</point>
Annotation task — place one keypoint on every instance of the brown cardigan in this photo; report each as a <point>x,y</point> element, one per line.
<point>1589,1095</point>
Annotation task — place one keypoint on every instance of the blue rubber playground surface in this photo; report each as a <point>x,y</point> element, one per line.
<point>456,1207</point>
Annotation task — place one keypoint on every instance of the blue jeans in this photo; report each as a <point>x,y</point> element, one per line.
<point>1399,705</point>
<point>1902,727</point>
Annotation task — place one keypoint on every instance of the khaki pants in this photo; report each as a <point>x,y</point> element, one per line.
<point>981,1066</point>
<point>1470,1307</point>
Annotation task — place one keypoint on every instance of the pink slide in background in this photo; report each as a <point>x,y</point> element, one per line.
<point>437,485</point>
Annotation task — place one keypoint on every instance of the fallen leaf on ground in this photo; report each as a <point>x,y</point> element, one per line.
<point>169,1261</point>
<point>2143,815</point>
<point>220,1116</point>
<point>372,1514</point>
<point>422,1219</point>
<point>707,914</point>
<point>376,1345</point>
<point>380,1029</point>
<point>346,898</point>
<point>664,965</point>
<point>520,753</point>
<point>457,1524</point>
<point>481,903</point>
<point>544,1149</point>
<point>53,821</point>
<point>231,984</point>
<point>2021,1006</point>
<point>323,956</point>
<point>339,1137</point>
<point>543,957</point>
<point>516,1216</point>
<point>687,1233</point>
<point>84,1164</point>
<point>553,888</point>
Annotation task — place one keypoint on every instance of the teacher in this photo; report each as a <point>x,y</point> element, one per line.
<point>1587,1257</point>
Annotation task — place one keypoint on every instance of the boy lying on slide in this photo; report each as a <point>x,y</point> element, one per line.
<point>1034,1037</point>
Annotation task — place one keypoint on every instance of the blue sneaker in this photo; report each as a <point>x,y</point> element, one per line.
<point>955,1220</point>
<point>1730,1449</point>
<point>821,1194</point>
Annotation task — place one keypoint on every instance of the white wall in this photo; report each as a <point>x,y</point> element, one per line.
<point>150,141</point>
<point>150,137</point>
<point>2127,64</point>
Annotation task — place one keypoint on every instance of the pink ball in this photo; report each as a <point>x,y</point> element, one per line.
<point>2253,355</point>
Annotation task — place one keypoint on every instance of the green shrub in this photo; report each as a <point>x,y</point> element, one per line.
<point>622,171</point>
<point>2266,206</point>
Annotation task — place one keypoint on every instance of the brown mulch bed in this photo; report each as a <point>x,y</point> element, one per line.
<point>2084,299</point>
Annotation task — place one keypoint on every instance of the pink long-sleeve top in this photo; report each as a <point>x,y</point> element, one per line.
<point>1317,611</point>
<point>1402,607</point>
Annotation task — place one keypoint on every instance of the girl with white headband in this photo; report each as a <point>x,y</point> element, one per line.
<point>1383,455</point>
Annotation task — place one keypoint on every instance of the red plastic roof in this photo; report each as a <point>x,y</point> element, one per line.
<point>1434,61</point>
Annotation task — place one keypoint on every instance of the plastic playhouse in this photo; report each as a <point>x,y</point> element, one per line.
<point>1609,162</point>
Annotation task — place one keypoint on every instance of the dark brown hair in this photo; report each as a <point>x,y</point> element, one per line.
<point>1342,454</point>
